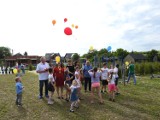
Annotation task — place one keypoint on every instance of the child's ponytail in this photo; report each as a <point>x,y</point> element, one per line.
<point>94,70</point>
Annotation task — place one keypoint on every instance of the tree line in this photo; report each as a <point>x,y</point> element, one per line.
<point>120,53</point>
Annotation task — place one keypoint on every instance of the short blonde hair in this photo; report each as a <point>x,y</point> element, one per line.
<point>17,78</point>
<point>74,83</point>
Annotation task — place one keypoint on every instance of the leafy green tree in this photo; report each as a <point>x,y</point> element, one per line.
<point>25,53</point>
<point>121,52</point>
<point>4,52</point>
<point>151,54</point>
<point>75,57</point>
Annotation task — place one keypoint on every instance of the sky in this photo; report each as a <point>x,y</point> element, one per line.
<point>26,25</point>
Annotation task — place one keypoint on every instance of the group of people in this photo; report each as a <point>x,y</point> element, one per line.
<point>6,70</point>
<point>10,70</point>
<point>71,79</point>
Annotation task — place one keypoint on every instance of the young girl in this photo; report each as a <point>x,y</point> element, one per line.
<point>51,85</point>
<point>67,84</point>
<point>74,95</point>
<point>95,80</point>
<point>111,86</point>
<point>77,78</point>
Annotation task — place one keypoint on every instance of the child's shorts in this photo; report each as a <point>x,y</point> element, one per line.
<point>97,84</point>
<point>104,82</point>
<point>51,87</point>
<point>111,87</point>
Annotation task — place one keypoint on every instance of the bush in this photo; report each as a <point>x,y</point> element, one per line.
<point>147,68</point>
<point>31,67</point>
<point>156,67</point>
<point>141,72</point>
<point>137,68</point>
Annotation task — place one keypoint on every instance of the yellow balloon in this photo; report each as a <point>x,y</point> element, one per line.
<point>91,48</point>
<point>72,25</point>
<point>57,59</point>
<point>15,71</point>
<point>127,63</point>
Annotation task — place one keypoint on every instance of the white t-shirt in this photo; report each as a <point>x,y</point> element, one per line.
<point>115,70</point>
<point>111,70</point>
<point>41,67</point>
<point>78,79</point>
<point>105,73</point>
<point>112,81</point>
<point>51,78</point>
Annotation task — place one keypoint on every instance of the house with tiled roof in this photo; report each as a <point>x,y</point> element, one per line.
<point>68,56</point>
<point>135,57</point>
<point>19,58</point>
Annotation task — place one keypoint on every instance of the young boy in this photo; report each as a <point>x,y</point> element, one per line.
<point>19,89</point>
<point>105,72</point>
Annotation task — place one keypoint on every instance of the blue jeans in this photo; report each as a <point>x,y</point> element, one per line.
<point>131,75</point>
<point>41,83</point>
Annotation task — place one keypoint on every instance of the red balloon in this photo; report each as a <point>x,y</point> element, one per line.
<point>68,31</point>
<point>65,19</point>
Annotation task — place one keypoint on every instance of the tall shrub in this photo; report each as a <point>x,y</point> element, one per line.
<point>141,72</point>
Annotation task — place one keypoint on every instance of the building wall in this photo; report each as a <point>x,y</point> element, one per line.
<point>129,58</point>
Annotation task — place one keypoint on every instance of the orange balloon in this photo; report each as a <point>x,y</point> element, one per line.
<point>76,26</point>
<point>53,22</point>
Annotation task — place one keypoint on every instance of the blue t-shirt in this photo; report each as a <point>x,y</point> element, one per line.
<point>86,69</point>
<point>19,87</point>
<point>97,77</point>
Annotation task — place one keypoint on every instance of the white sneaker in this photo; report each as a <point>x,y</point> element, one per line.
<point>50,102</point>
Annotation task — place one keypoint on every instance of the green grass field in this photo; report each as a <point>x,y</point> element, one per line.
<point>140,102</point>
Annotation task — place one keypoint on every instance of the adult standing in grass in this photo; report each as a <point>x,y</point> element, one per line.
<point>131,73</point>
<point>59,79</point>
<point>87,77</point>
<point>42,69</point>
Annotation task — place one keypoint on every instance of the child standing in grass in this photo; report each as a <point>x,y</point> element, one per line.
<point>104,77</point>
<point>79,84</point>
<point>67,84</point>
<point>111,86</point>
<point>19,89</point>
<point>74,95</point>
<point>95,80</point>
<point>51,85</point>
